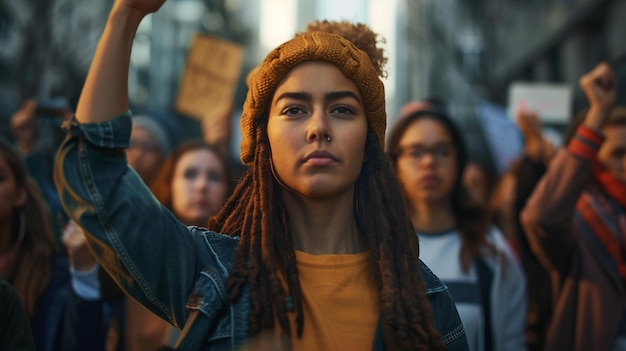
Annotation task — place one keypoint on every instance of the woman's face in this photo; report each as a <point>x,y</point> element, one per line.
<point>427,164</point>
<point>612,153</point>
<point>317,130</point>
<point>12,196</point>
<point>199,187</point>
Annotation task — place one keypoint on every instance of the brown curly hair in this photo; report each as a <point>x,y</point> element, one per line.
<point>360,35</point>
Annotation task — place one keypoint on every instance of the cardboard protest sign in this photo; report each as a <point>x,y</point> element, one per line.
<point>551,102</point>
<point>209,78</point>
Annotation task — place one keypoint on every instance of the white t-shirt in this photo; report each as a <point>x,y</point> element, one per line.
<point>440,252</point>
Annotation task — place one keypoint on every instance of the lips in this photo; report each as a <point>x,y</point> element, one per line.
<point>429,180</point>
<point>201,203</point>
<point>320,158</point>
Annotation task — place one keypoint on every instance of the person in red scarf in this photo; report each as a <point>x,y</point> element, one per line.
<point>575,221</point>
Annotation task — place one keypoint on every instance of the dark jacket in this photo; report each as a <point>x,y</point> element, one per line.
<point>15,333</point>
<point>65,322</point>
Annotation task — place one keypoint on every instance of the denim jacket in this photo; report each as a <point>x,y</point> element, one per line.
<point>177,272</point>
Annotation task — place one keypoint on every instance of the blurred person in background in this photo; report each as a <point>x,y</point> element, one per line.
<point>575,221</point>
<point>193,183</point>
<point>427,150</point>
<point>30,261</point>
<point>149,146</point>
<point>506,203</point>
<point>36,129</point>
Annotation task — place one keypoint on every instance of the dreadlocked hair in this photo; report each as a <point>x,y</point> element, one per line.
<point>265,247</point>
<point>406,314</point>
<point>265,253</point>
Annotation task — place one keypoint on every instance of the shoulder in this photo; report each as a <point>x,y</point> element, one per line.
<point>505,263</point>
<point>501,244</point>
<point>432,283</point>
<point>445,315</point>
<point>217,251</point>
<point>215,240</point>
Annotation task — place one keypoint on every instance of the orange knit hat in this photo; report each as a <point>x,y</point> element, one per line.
<point>354,63</point>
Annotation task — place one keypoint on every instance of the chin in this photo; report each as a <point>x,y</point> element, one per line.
<point>433,197</point>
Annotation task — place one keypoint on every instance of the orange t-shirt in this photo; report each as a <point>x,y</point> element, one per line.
<point>340,302</point>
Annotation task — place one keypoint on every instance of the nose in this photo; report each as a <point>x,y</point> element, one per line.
<point>318,128</point>
<point>428,158</point>
<point>201,183</point>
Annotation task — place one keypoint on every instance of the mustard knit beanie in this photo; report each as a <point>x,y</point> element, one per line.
<point>354,63</point>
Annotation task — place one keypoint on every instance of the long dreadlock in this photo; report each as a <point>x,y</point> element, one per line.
<point>266,251</point>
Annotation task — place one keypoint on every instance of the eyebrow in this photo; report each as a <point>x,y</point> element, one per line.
<point>334,95</point>
<point>435,144</point>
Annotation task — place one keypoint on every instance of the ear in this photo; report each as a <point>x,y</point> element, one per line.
<point>21,198</point>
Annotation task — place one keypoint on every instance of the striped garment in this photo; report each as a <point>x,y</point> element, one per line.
<point>600,210</point>
<point>603,221</point>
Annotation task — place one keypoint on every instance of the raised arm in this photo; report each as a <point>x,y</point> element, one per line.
<point>599,86</point>
<point>105,93</point>
<point>149,253</point>
<point>548,215</point>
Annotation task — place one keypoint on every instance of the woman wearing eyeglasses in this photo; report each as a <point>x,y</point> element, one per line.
<point>428,154</point>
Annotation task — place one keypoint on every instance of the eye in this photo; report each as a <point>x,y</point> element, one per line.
<point>214,176</point>
<point>293,111</point>
<point>343,110</point>
<point>190,173</point>
<point>416,152</point>
<point>443,151</point>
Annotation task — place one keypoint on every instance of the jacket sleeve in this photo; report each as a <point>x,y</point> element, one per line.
<point>448,322</point>
<point>147,251</point>
<point>446,318</point>
<point>547,217</point>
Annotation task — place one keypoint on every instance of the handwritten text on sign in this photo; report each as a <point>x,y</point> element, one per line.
<point>210,76</point>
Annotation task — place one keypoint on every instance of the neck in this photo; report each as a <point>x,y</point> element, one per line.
<point>432,217</point>
<point>323,226</point>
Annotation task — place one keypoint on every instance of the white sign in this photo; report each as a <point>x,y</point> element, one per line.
<point>552,102</point>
